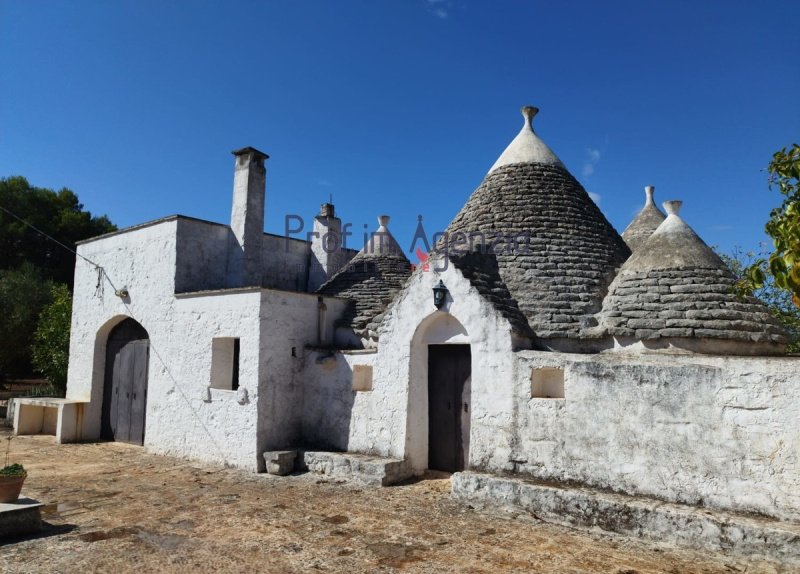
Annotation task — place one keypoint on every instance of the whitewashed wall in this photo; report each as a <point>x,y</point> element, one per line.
<point>392,419</point>
<point>289,322</point>
<point>722,432</point>
<point>285,263</point>
<point>201,260</point>
<point>332,410</point>
<point>179,418</point>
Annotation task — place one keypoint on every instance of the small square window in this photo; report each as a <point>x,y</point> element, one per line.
<point>362,377</point>
<point>547,383</point>
<point>225,363</point>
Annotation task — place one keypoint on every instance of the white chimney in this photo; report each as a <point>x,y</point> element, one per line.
<point>247,218</point>
<point>327,255</point>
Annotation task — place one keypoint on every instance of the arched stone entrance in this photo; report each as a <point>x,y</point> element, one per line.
<point>438,423</point>
<point>125,383</point>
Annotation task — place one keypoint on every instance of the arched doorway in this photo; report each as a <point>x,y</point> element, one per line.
<point>439,409</point>
<point>125,383</point>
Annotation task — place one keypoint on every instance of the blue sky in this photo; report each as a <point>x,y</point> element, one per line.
<point>401,106</point>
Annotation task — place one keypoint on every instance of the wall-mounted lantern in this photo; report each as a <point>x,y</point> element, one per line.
<point>439,294</point>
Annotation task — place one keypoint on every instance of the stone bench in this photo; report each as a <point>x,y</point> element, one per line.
<point>62,418</point>
<point>356,467</point>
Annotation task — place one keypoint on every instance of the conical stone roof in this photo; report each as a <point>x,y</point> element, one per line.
<point>370,280</point>
<point>675,286</point>
<point>645,222</point>
<point>555,252</point>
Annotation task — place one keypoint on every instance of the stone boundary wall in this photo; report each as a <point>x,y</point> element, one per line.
<point>712,431</point>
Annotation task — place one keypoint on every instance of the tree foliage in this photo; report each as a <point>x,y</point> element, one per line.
<point>783,264</point>
<point>24,292</point>
<point>51,339</point>
<point>58,213</point>
<point>30,266</point>
<point>778,300</point>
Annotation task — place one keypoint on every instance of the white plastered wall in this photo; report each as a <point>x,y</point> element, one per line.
<point>715,431</point>
<point>180,418</point>
<point>289,322</point>
<point>391,420</point>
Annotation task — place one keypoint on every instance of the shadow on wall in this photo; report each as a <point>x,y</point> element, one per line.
<point>328,403</point>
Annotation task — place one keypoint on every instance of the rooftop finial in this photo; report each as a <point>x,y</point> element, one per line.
<point>383,220</point>
<point>529,112</point>
<point>649,191</point>
<point>672,207</point>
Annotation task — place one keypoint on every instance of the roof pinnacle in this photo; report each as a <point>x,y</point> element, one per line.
<point>529,112</point>
<point>672,207</point>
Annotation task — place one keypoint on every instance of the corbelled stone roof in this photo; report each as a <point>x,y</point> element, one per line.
<point>555,252</point>
<point>370,280</point>
<point>675,286</point>
<point>482,271</point>
<point>645,222</point>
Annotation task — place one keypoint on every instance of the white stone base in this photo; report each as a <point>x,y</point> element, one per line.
<point>678,524</point>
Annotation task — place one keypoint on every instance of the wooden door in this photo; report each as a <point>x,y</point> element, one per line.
<point>449,369</point>
<point>125,389</point>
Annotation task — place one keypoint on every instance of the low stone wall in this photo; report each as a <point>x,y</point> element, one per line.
<point>711,431</point>
<point>637,516</point>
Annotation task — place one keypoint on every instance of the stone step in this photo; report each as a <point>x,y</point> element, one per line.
<point>20,518</point>
<point>356,467</point>
<point>280,462</point>
<point>643,517</point>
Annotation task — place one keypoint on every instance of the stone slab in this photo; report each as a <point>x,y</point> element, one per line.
<point>355,467</point>
<point>280,462</point>
<point>20,518</point>
<point>678,524</point>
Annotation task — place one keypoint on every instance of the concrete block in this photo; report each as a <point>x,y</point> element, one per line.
<point>280,462</point>
<point>20,518</point>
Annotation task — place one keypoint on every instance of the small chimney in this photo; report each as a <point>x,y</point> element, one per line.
<point>247,218</point>
<point>672,207</point>
<point>648,192</point>
<point>327,255</point>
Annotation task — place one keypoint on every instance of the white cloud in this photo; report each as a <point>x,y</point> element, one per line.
<point>596,197</point>
<point>323,182</point>
<point>592,158</point>
<point>440,8</point>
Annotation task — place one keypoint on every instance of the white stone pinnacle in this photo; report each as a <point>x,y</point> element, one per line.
<point>527,147</point>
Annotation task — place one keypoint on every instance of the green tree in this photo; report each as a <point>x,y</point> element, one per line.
<point>783,265</point>
<point>57,213</point>
<point>778,300</point>
<point>24,292</point>
<point>51,339</point>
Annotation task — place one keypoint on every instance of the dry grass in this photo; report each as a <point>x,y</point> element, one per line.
<point>113,508</point>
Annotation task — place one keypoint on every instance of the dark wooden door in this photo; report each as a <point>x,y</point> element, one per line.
<point>449,369</point>
<point>125,389</point>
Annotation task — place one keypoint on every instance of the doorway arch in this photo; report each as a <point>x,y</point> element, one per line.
<point>437,434</point>
<point>125,383</point>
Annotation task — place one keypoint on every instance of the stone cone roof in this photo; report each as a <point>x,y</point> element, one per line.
<point>370,280</point>
<point>675,286</point>
<point>645,222</point>
<point>562,254</point>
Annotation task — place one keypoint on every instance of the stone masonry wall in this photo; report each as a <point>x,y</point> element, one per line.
<point>720,432</point>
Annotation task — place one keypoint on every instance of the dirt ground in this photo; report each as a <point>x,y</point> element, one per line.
<point>113,508</point>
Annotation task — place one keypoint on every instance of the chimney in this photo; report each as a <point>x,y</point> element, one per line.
<point>672,207</point>
<point>326,247</point>
<point>247,218</point>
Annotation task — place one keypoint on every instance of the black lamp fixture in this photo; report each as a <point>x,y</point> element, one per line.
<point>439,294</point>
